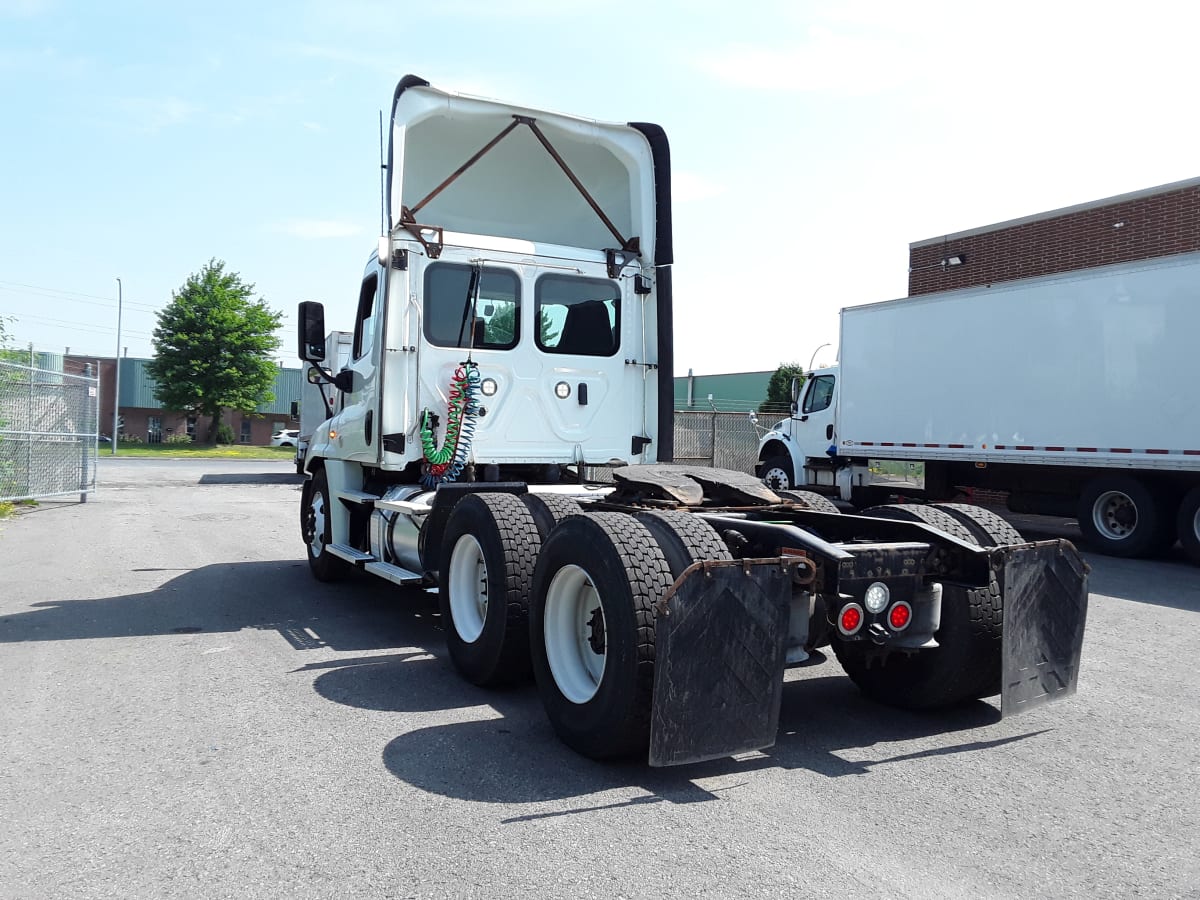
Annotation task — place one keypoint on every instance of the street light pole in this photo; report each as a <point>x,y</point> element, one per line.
<point>812,358</point>
<point>117,371</point>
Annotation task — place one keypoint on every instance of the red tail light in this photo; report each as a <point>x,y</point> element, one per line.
<point>899,616</point>
<point>851,619</point>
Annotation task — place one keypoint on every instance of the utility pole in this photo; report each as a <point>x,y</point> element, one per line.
<point>117,371</point>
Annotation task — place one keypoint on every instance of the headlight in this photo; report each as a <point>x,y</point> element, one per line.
<point>877,597</point>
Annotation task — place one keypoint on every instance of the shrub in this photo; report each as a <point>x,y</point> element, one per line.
<point>130,439</point>
<point>183,438</point>
<point>225,434</point>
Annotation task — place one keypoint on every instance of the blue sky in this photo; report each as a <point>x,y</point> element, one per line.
<point>811,142</point>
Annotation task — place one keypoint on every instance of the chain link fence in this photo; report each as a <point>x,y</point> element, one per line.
<point>723,440</point>
<point>48,432</point>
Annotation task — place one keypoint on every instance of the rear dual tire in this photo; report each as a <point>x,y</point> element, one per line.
<point>489,550</point>
<point>1121,515</point>
<point>965,665</point>
<point>592,621</point>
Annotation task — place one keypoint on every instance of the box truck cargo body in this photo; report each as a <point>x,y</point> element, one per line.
<point>1074,393</point>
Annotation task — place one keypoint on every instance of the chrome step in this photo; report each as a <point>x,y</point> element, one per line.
<point>356,496</point>
<point>349,553</point>
<point>394,574</point>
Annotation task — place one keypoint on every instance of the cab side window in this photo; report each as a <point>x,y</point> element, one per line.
<point>820,394</point>
<point>364,321</point>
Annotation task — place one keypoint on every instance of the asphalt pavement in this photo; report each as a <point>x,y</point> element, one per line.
<point>184,712</point>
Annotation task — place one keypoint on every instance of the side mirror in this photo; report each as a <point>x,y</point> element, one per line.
<point>311,329</point>
<point>795,391</point>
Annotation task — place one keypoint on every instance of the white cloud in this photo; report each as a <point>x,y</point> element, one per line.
<point>317,229</point>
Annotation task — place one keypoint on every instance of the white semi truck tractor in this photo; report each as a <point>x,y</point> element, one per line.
<point>512,338</point>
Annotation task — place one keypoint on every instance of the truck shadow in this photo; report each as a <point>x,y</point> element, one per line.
<point>359,614</point>
<point>516,758</point>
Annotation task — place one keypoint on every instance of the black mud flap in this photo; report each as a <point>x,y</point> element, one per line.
<point>1045,606</point>
<point>720,646</point>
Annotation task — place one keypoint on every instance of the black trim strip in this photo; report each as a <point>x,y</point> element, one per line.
<point>660,151</point>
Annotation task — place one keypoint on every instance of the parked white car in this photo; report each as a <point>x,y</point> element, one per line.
<point>285,437</point>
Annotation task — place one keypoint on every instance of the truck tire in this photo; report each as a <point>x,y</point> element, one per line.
<point>489,550</point>
<point>592,631</point>
<point>964,666</point>
<point>1187,524</point>
<point>929,515</point>
<point>814,501</point>
<point>988,529</point>
<point>317,529</point>
<point>777,473</point>
<point>684,539</point>
<point>1121,516</point>
<point>549,509</point>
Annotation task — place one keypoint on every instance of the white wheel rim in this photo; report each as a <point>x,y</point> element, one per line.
<point>574,628</point>
<point>468,588</point>
<point>1115,515</point>
<point>317,510</point>
<point>776,479</point>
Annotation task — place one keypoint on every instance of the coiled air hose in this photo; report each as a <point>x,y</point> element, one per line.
<point>446,463</point>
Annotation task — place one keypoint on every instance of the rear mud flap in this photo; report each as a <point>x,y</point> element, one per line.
<point>1045,606</point>
<point>720,647</point>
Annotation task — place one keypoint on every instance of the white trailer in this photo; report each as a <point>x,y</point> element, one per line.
<point>1070,392</point>
<point>318,397</point>
<point>513,334</point>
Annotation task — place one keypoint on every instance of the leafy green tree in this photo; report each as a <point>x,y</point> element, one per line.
<point>779,389</point>
<point>7,353</point>
<point>499,328</point>
<point>213,346</point>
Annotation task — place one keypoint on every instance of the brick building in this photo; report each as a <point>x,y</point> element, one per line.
<point>1158,221</point>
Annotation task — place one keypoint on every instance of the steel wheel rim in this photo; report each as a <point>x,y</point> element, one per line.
<point>316,515</point>
<point>574,626</point>
<point>776,479</point>
<point>468,588</point>
<point>1115,515</point>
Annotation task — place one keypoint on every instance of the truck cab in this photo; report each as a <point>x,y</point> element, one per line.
<point>800,451</point>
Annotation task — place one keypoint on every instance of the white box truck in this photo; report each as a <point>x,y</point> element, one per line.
<point>1073,393</point>
<point>513,333</point>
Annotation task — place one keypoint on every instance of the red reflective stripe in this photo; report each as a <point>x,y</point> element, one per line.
<point>906,444</point>
<point>957,446</point>
<point>931,445</point>
<point>886,444</point>
<point>1120,450</point>
<point>1059,449</point>
<point>867,443</point>
<point>1159,452</point>
<point>1000,447</point>
<point>1019,447</point>
<point>1191,452</point>
<point>1086,449</point>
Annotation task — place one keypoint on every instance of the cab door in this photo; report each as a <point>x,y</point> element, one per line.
<point>354,429</point>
